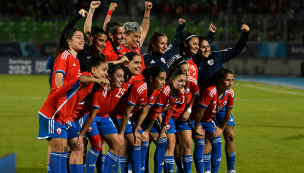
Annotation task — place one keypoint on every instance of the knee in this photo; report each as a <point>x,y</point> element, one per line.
<point>171,145</point>
<point>187,145</point>
<point>229,138</point>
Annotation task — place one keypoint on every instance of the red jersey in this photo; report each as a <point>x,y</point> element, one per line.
<point>111,100</point>
<point>62,102</point>
<point>109,53</point>
<point>192,90</point>
<point>165,103</point>
<point>210,101</point>
<point>66,64</point>
<point>137,50</point>
<point>193,68</point>
<point>137,97</point>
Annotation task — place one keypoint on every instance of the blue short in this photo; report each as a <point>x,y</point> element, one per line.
<point>130,126</point>
<point>80,123</point>
<point>72,129</point>
<point>154,129</point>
<point>220,116</point>
<point>49,128</point>
<point>208,126</point>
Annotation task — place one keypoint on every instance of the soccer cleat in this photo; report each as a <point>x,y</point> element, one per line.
<point>230,171</point>
<point>208,172</point>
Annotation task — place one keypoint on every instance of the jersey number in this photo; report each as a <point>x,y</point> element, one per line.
<point>120,92</point>
<point>193,70</point>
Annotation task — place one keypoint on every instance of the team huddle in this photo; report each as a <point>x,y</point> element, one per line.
<point>106,91</point>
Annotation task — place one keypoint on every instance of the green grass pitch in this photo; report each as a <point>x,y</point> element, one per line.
<point>269,135</point>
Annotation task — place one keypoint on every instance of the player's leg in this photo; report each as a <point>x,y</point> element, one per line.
<point>207,156</point>
<point>178,156</point>
<point>229,147</point>
<point>186,143</point>
<point>124,157</point>
<point>135,152</point>
<point>109,133</point>
<point>216,143</point>
<point>169,156</point>
<point>101,158</point>
<point>144,149</point>
<point>160,150</point>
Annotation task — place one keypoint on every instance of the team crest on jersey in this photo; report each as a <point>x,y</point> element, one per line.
<point>90,129</point>
<point>188,90</point>
<point>225,102</point>
<point>210,62</point>
<point>163,60</point>
<point>168,127</point>
<point>139,128</point>
<point>152,98</point>
<point>58,131</point>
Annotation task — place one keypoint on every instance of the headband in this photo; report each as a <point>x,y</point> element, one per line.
<point>189,38</point>
<point>183,61</point>
<point>114,68</point>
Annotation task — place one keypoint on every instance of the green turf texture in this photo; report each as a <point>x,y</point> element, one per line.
<point>269,135</point>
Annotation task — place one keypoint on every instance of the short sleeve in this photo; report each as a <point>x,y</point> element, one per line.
<point>206,98</point>
<point>133,96</point>
<point>61,63</point>
<point>230,101</point>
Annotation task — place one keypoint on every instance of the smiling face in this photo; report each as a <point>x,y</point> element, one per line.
<point>192,46</point>
<point>159,82</point>
<point>133,39</point>
<point>100,71</point>
<point>204,49</point>
<point>134,65</point>
<point>77,41</point>
<point>99,42</point>
<point>227,82</point>
<point>186,69</point>
<point>117,78</point>
<point>119,36</point>
<point>160,46</point>
<point>179,82</point>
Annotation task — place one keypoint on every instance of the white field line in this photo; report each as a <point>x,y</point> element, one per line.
<point>272,83</point>
<point>269,100</point>
<point>23,97</point>
<point>271,90</point>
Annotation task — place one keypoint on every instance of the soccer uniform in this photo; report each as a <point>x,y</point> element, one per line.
<point>137,97</point>
<point>109,53</point>
<point>165,104</point>
<point>192,90</point>
<point>153,59</point>
<point>59,107</point>
<point>102,123</point>
<point>137,50</point>
<point>66,64</point>
<point>209,100</point>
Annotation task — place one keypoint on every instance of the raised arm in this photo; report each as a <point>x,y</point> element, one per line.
<point>72,22</point>
<point>175,43</point>
<point>212,30</point>
<point>112,8</point>
<point>230,53</point>
<point>146,22</point>
<point>88,22</point>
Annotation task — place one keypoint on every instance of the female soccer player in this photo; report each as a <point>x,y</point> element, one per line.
<point>167,100</point>
<point>108,105</point>
<point>60,105</point>
<point>179,119</point>
<point>214,97</point>
<point>209,64</point>
<point>141,94</point>
<point>189,47</point>
<point>158,52</point>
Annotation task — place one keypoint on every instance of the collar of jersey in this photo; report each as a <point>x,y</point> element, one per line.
<point>71,54</point>
<point>223,95</point>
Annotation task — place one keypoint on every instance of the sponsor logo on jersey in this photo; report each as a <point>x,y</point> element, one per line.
<point>142,99</point>
<point>188,90</point>
<point>58,131</point>
<point>225,102</point>
<point>210,62</point>
<point>168,127</point>
<point>163,60</point>
<point>74,64</point>
<point>90,129</point>
<point>152,62</point>
<point>214,102</point>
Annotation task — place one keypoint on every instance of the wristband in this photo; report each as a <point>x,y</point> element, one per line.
<point>109,13</point>
<point>189,110</point>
